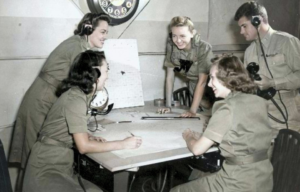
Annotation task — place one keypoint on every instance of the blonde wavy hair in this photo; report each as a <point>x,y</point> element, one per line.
<point>181,21</point>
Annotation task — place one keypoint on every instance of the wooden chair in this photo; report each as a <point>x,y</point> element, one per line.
<point>286,161</point>
<point>5,184</point>
<point>183,96</point>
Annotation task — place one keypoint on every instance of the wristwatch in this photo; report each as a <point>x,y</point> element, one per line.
<point>119,11</point>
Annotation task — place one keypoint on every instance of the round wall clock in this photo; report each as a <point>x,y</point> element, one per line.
<point>119,11</point>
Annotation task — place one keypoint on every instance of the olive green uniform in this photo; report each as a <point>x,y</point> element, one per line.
<point>241,126</point>
<point>200,54</point>
<point>40,97</point>
<point>283,56</point>
<point>49,167</point>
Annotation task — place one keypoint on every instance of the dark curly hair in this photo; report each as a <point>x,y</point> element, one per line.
<point>91,19</point>
<point>82,73</point>
<point>233,74</point>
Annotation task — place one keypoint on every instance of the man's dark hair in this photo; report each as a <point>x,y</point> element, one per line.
<point>249,9</point>
<point>82,72</point>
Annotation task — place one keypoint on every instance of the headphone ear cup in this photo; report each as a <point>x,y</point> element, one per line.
<point>88,30</point>
<point>255,21</point>
<point>98,72</point>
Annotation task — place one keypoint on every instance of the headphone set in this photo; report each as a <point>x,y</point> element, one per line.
<point>255,21</point>
<point>95,111</point>
<point>86,29</point>
<point>98,72</point>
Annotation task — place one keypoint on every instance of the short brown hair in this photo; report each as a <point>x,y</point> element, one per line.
<point>233,74</point>
<point>250,9</point>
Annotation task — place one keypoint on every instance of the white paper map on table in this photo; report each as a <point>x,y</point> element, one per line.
<point>124,84</point>
<point>157,136</point>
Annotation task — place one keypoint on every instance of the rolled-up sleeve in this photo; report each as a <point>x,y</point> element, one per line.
<point>220,122</point>
<point>75,113</point>
<point>168,62</point>
<point>204,59</point>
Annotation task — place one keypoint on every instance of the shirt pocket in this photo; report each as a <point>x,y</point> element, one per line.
<point>278,66</point>
<point>277,59</point>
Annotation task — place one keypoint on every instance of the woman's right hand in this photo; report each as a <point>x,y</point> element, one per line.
<point>188,114</point>
<point>132,142</point>
<point>164,110</point>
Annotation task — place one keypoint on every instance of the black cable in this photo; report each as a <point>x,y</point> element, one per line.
<point>96,122</point>
<point>94,95</point>
<point>275,119</point>
<point>272,117</point>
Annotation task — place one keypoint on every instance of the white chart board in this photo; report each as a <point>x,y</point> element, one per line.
<point>124,84</point>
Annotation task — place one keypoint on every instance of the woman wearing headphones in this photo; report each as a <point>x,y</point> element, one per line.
<point>91,32</point>
<point>241,126</point>
<point>188,55</point>
<point>49,167</point>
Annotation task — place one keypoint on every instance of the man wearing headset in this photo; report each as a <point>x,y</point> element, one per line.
<point>91,33</point>
<point>282,52</point>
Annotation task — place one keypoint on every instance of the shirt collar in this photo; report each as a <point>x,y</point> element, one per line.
<point>267,38</point>
<point>196,38</point>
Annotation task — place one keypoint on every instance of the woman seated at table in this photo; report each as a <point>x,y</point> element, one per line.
<point>50,166</point>
<point>240,125</point>
<point>191,57</point>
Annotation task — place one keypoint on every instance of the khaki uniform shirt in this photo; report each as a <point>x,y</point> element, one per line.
<point>241,126</point>
<point>40,97</point>
<point>283,56</point>
<point>60,60</point>
<point>67,116</point>
<point>50,167</point>
<point>200,53</point>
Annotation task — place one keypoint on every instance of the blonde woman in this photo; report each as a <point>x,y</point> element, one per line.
<point>189,56</point>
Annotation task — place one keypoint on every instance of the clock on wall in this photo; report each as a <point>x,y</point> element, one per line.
<point>119,11</point>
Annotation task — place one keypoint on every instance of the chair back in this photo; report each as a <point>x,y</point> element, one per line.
<point>5,184</point>
<point>183,96</point>
<point>286,161</point>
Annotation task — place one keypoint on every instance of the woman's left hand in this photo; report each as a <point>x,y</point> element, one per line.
<point>99,139</point>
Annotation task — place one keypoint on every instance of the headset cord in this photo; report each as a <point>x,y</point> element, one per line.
<point>131,183</point>
<point>93,97</point>
<point>286,112</point>
<point>275,119</point>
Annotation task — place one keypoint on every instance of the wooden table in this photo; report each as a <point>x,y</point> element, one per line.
<point>114,163</point>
